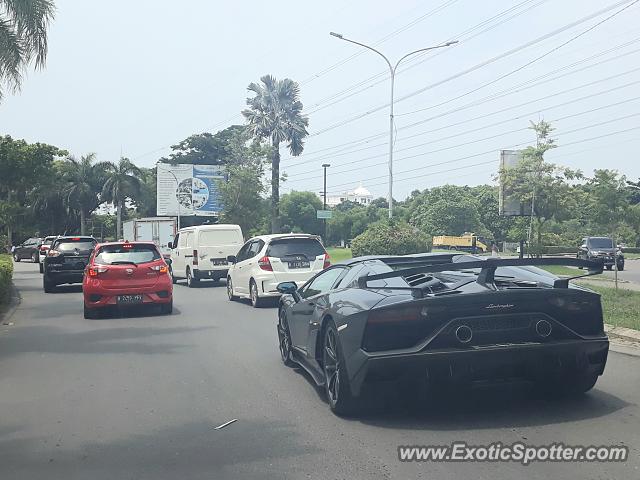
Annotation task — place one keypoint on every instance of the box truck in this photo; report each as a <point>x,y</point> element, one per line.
<point>159,230</point>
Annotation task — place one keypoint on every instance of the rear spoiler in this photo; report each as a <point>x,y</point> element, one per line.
<point>488,267</point>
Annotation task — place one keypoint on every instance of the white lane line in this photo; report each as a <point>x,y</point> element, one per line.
<point>220,427</point>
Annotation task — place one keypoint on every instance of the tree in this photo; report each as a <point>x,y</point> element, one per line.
<point>205,148</point>
<point>275,115</point>
<point>145,200</point>
<point>446,210</point>
<point>24,169</point>
<point>299,212</point>
<point>84,180</point>
<point>122,180</point>
<point>543,185</point>
<point>23,38</point>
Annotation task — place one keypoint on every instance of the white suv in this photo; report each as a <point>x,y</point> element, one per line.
<point>265,261</point>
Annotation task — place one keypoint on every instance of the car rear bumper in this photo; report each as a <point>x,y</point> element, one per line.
<point>530,361</point>
<point>99,298</point>
<point>214,272</point>
<point>60,277</point>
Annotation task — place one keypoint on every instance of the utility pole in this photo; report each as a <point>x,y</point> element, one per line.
<point>392,71</point>
<point>324,192</point>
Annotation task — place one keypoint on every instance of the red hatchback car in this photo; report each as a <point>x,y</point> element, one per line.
<point>123,274</point>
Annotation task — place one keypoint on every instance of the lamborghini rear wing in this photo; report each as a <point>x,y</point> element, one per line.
<point>488,269</point>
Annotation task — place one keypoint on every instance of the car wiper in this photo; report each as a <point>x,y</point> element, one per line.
<point>123,262</point>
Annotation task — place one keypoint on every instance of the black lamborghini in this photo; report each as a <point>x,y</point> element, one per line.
<point>442,317</point>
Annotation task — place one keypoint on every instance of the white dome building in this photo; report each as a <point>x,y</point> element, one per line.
<point>358,195</point>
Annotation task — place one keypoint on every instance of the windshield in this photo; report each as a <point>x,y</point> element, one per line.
<point>72,245</point>
<point>310,247</point>
<point>600,243</point>
<point>122,254</point>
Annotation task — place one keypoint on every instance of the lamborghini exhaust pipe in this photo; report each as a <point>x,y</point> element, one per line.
<point>464,334</point>
<point>543,328</point>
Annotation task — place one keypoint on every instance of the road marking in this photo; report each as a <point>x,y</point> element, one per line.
<point>220,427</point>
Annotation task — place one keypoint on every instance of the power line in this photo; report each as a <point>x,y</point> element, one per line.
<point>485,153</point>
<point>413,62</point>
<point>531,83</point>
<point>485,127</point>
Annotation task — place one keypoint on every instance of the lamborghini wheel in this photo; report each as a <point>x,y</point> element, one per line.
<point>284,339</point>
<point>336,382</point>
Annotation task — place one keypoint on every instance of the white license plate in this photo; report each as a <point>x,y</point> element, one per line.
<point>299,265</point>
<point>219,261</point>
<point>129,299</point>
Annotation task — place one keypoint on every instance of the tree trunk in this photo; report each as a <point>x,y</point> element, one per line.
<point>275,189</point>
<point>118,219</point>
<point>83,228</point>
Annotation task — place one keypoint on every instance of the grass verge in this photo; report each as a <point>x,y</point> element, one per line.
<point>621,308</point>
<point>561,270</point>
<point>6,272</point>
<point>338,254</point>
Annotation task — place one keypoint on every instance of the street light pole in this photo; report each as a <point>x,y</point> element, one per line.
<point>392,71</point>
<point>324,192</point>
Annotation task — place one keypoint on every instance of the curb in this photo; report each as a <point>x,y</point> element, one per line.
<point>622,332</point>
<point>14,301</point>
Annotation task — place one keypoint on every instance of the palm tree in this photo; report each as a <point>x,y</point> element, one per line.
<point>122,181</point>
<point>275,114</point>
<point>84,181</point>
<point>23,38</point>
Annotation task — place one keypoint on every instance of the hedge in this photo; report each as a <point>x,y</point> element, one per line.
<point>6,271</point>
<point>631,250</point>
<point>557,249</point>
<point>390,238</point>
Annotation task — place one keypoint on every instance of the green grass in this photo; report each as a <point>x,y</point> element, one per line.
<point>561,270</point>
<point>621,308</point>
<point>631,256</point>
<point>339,254</point>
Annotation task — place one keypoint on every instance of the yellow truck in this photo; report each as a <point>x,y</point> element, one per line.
<point>469,242</point>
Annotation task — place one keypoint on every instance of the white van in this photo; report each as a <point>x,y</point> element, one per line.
<point>201,252</point>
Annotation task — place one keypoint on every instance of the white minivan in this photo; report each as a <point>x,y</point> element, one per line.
<point>201,252</point>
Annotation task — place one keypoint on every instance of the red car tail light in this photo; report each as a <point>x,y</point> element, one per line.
<point>53,253</point>
<point>265,264</point>
<point>394,315</point>
<point>327,261</point>
<point>160,268</point>
<point>96,270</point>
<point>44,248</point>
<point>195,258</point>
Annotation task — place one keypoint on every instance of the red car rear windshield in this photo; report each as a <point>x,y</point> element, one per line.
<point>127,254</point>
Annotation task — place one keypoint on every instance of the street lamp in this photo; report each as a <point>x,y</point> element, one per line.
<point>392,71</point>
<point>324,191</point>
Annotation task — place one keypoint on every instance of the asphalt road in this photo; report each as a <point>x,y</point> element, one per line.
<point>140,396</point>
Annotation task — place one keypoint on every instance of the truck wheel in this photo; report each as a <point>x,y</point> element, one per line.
<point>174,280</point>
<point>41,266</point>
<point>16,257</point>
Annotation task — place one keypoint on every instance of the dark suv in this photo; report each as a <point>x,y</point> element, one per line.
<point>28,250</point>
<point>601,248</point>
<point>66,260</point>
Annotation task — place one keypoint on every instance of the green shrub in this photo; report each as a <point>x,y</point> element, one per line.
<point>390,238</point>
<point>631,250</point>
<point>6,271</point>
<point>558,249</point>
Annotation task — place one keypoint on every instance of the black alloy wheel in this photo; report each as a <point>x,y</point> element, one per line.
<point>284,339</point>
<point>336,382</point>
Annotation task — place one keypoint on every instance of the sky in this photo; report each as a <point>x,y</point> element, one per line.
<point>134,77</point>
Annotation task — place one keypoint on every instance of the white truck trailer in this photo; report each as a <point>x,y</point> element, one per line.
<point>159,230</point>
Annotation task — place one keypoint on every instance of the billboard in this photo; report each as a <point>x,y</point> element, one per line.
<point>186,189</point>
<point>508,204</point>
